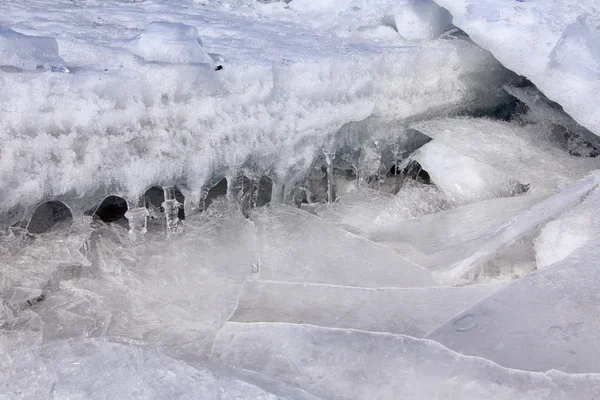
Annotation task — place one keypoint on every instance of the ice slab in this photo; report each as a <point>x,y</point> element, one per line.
<point>463,179</point>
<point>97,369</point>
<point>295,246</point>
<point>556,44</point>
<point>337,363</point>
<point>413,312</point>
<point>547,320</point>
<point>438,240</point>
<point>174,292</point>
<point>29,52</point>
<point>559,238</point>
<point>515,151</point>
<point>170,42</point>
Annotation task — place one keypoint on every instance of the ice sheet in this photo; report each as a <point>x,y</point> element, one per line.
<point>295,246</point>
<point>547,320</point>
<point>97,369</point>
<point>29,52</point>
<point>362,365</point>
<point>411,312</point>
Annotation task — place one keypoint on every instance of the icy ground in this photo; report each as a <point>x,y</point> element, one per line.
<point>335,199</point>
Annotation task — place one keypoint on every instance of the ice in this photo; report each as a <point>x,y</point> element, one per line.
<point>463,179</point>
<point>29,52</point>
<point>553,43</point>
<point>436,241</point>
<point>295,246</point>
<point>414,312</point>
<point>97,369</point>
<point>117,126</point>
<point>561,237</point>
<point>170,43</point>
<point>363,365</point>
<point>544,321</point>
<point>510,149</point>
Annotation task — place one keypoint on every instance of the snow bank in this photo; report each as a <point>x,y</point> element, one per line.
<point>556,44</point>
<point>170,43</point>
<point>29,52</point>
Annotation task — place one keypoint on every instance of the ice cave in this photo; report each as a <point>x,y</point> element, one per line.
<point>300,199</point>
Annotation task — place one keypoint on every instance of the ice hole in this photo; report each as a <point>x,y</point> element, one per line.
<point>218,190</point>
<point>49,215</point>
<point>113,209</point>
<point>181,200</point>
<point>415,172</point>
<point>154,197</point>
<point>265,191</point>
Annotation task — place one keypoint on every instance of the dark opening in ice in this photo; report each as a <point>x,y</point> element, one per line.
<point>181,200</point>
<point>113,209</point>
<point>50,215</point>
<point>265,191</point>
<point>414,171</point>
<point>219,190</point>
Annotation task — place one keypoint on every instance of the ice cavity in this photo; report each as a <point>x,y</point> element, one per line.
<point>564,65</point>
<point>169,42</point>
<point>29,52</point>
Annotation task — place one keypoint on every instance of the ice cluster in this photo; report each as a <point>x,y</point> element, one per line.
<point>257,199</point>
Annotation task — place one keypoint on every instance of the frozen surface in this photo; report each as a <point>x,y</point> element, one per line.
<point>97,369</point>
<point>562,236</point>
<point>525,155</point>
<point>547,320</point>
<point>411,312</point>
<point>365,365</point>
<point>463,179</point>
<point>170,43</point>
<point>295,246</point>
<point>119,124</point>
<point>438,240</point>
<point>29,52</point>
<point>556,44</point>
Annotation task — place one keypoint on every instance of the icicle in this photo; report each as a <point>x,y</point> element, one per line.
<point>277,192</point>
<point>171,206</point>
<point>138,218</point>
<point>328,159</point>
<point>254,186</point>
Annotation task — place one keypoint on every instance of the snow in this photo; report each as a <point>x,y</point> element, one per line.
<point>555,44</point>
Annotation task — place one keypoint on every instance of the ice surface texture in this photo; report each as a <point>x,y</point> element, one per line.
<point>547,320</point>
<point>556,44</point>
<point>29,52</point>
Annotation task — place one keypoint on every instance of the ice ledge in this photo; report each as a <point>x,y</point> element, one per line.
<point>554,44</point>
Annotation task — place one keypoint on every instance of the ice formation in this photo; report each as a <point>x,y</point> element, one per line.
<point>262,199</point>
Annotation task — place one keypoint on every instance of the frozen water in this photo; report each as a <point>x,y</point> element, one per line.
<point>29,52</point>
<point>510,149</point>
<point>437,240</point>
<point>555,44</point>
<point>562,236</point>
<point>463,179</point>
<point>366,365</point>
<point>295,246</point>
<point>170,43</point>
<point>98,369</point>
<point>414,311</point>
<point>547,320</point>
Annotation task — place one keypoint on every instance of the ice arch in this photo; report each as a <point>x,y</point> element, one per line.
<point>215,192</point>
<point>48,215</point>
<point>113,209</point>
